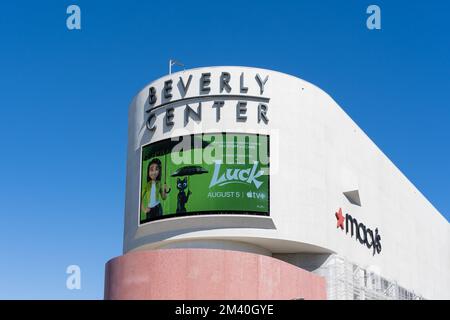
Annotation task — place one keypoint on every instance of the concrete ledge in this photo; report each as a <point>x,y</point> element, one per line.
<point>171,227</point>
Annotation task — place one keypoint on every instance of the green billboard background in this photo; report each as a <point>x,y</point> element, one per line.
<point>225,174</point>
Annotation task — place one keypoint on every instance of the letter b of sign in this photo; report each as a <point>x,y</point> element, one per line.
<point>73,21</point>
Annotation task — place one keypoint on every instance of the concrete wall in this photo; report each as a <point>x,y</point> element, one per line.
<point>317,153</point>
<point>207,274</point>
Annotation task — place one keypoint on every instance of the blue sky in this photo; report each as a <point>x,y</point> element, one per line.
<point>64,97</point>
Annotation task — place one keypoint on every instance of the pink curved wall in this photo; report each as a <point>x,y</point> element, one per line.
<point>207,274</point>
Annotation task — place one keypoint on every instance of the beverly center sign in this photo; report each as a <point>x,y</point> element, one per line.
<point>194,100</point>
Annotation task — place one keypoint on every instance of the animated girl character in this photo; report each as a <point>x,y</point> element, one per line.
<point>153,192</point>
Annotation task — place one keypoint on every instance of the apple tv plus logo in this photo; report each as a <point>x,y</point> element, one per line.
<point>256,195</point>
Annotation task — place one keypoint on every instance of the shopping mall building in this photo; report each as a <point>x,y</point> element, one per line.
<point>246,183</point>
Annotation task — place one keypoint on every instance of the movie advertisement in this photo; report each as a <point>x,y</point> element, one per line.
<point>219,173</point>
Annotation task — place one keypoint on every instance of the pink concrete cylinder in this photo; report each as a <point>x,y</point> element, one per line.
<point>192,274</point>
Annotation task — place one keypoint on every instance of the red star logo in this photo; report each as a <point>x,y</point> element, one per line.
<point>340,219</point>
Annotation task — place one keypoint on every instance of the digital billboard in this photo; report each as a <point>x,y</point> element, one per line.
<point>218,173</point>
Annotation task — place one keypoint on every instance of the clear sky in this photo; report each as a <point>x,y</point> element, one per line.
<point>64,97</point>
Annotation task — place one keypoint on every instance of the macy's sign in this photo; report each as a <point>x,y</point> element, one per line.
<point>365,236</point>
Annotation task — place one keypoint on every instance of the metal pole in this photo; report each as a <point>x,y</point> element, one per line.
<point>174,62</point>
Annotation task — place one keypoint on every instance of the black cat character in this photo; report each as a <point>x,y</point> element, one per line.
<point>182,196</point>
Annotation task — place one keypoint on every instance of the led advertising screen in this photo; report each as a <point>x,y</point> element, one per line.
<point>219,173</point>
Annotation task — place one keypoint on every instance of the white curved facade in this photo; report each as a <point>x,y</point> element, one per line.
<point>316,154</point>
